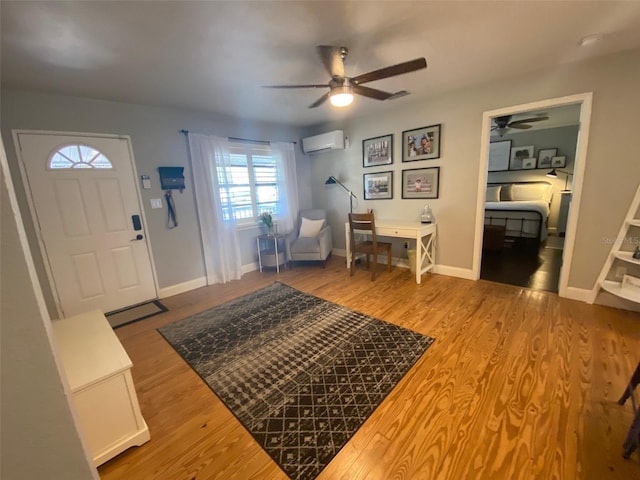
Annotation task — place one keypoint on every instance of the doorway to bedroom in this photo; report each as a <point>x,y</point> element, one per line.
<point>528,191</point>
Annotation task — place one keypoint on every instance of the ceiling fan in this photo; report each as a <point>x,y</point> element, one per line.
<point>502,124</point>
<point>342,88</point>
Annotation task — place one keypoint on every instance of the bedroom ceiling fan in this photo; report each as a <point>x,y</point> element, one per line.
<point>502,124</point>
<point>342,88</point>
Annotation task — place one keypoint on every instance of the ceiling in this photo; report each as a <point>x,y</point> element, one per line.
<point>214,56</point>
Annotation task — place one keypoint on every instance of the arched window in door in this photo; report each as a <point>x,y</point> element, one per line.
<point>78,156</point>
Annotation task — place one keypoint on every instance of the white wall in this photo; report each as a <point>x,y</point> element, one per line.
<point>156,141</point>
<point>38,435</point>
<point>611,176</point>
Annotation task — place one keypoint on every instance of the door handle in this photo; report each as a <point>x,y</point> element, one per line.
<point>138,237</point>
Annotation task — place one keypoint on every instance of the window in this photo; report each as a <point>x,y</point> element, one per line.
<point>78,156</point>
<point>248,183</point>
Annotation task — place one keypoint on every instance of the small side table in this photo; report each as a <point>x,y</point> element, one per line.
<point>271,251</point>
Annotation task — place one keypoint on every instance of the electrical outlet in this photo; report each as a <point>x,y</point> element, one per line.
<point>406,244</point>
<point>621,272</point>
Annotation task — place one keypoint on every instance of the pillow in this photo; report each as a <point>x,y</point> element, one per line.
<point>524,192</point>
<point>505,193</point>
<point>493,193</point>
<point>310,228</point>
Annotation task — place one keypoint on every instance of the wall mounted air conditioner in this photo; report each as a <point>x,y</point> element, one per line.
<point>323,142</point>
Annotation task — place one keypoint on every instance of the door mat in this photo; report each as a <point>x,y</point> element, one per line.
<point>129,315</point>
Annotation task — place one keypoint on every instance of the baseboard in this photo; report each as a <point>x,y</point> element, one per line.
<point>458,272</point>
<point>580,294</point>
<point>182,287</point>
<point>250,267</point>
<point>198,282</point>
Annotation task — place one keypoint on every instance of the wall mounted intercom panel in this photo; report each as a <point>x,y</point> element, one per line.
<point>171,178</point>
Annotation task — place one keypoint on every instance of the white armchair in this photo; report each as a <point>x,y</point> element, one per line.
<point>311,239</point>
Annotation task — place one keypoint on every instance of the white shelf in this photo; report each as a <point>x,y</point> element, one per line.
<point>627,257</point>
<point>616,289</point>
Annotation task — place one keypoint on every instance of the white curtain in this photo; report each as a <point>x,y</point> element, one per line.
<point>219,237</point>
<point>285,159</point>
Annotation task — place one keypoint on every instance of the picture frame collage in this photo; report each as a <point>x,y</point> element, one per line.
<point>505,157</point>
<point>418,144</point>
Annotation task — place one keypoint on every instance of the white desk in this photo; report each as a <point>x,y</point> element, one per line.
<point>423,233</point>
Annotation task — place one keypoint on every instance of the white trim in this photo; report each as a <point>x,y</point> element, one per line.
<point>32,210</point>
<point>182,287</point>
<point>581,294</point>
<point>585,99</point>
<point>458,272</point>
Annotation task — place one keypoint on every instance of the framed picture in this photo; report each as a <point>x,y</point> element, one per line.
<point>421,144</point>
<point>518,154</point>
<point>499,155</point>
<point>558,162</point>
<point>421,183</point>
<point>544,157</point>
<point>528,163</point>
<point>378,186</point>
<point>377,151</point>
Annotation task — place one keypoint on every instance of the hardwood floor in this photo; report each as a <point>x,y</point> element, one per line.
<point>519,384</point>
<point>515,266</point>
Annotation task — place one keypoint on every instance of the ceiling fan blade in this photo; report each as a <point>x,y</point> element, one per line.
<point>320,101</point>
<point>371,92</point>
<point>295,86</point>
<point>332,59</point>
<point>392,71</point>
<point>529,120</point>
<point>519,126</point>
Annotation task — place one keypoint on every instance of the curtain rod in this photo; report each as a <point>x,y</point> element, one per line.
<point>244,140</point>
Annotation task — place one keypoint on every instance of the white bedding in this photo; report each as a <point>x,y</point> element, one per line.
<point>509,216</point>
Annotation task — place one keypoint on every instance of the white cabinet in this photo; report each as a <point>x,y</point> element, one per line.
<point>98,370</point>
<point>620,274</point>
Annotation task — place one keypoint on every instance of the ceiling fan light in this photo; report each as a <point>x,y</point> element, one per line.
<point>341,96</point>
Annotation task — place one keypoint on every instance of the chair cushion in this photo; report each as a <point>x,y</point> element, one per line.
<point>305,245</point>
<point>310,228</point>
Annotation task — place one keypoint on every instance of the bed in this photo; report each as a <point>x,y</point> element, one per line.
<point>522,208</point>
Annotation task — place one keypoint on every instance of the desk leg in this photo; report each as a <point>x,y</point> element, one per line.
<point>259,256</point>
<point>275,244</point>
<point>419,247</point>
<point>348,246</point>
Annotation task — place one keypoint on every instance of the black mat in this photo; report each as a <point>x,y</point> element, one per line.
<point>128,315</point>
<point>300,373</point>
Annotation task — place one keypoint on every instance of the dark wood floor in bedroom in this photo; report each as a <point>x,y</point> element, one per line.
<point>519,266</point>
<point>519,384</point>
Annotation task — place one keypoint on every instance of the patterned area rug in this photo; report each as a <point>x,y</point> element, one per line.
<point>300,373</point>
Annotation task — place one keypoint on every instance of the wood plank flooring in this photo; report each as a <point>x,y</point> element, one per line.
<point>519,384</point>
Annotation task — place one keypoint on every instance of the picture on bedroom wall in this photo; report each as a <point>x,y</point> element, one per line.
<point>518,154</point>
<point>558,162</point>
<point>421,183</point>
<point>544,157</point>
<point>421,144</point>
<point>377,151</point>
<point>378,186</point>
<point>499,155</point>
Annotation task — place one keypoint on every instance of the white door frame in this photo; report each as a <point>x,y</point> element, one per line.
<point>585,100</point>
<point>32,210</point>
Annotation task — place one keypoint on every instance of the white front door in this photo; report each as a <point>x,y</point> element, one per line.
<point>87,208</point>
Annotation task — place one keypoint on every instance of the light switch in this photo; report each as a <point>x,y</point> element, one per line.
<point>156,203</point>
